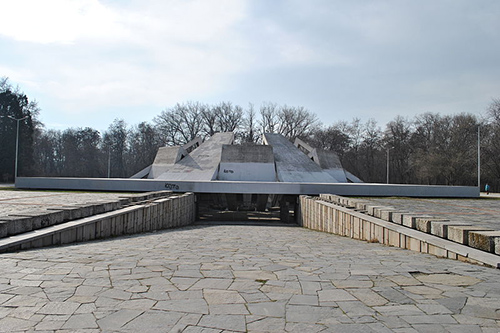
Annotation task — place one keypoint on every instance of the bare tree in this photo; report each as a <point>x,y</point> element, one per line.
<point>250,126</point>
<point>269,117</point>
<point>181,124</point>
<point>294,122</point>
<point>229,117</point>
<point>397,141</point>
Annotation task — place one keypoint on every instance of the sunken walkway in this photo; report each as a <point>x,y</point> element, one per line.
<point>234,278</point>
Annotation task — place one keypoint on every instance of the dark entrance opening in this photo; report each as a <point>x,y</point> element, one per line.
<point>246,207</point>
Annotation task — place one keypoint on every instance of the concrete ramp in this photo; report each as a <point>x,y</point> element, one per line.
<point>330,163</point>
<point>292,165</point>
<point>165,159</point>
<point>202,163</point>
<point>247,163</point>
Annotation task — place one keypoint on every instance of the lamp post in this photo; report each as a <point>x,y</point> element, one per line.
<point>17,141</point>
<point>387,165</point>
<point>479,157</point>
<point>109,162</point>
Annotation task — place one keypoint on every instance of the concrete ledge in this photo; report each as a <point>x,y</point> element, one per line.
<point>155,215</point>
<point>328,217</point>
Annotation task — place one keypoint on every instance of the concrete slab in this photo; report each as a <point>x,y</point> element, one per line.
<point>329,161</point>
<point>165,158</point>
<point>202,163</point>
<point>247,163</point>
<point>292,165</point>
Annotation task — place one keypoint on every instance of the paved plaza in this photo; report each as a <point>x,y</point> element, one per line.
<point>224,277</point>
<point>256,278</point>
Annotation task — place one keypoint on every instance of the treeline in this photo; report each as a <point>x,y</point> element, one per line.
<point>428,149</point>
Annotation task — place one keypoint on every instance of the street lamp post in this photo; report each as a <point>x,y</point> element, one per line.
<point>479,157</point>
<point>387,165</point>
<point>17,142</point>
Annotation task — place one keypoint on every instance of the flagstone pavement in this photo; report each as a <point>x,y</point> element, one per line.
<point>236,278</point>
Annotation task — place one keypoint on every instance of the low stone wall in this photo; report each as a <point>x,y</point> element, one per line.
<point>163,213</point>
<point>20,223</point>
<point>345,217</point>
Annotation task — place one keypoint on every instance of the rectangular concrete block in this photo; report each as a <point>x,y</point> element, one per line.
<point>484,240</point>
<point>370,209</point>
<point>410,220</point>
<point>386,214</point>
<point>361,206</point>
<point>437,251</point>
<point>414,244</point>
<point>397,216</point>
<point>425,224</point>
<point>440,228</point>
<point>460,233</point>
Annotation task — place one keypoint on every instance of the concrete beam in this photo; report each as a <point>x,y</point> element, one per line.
<point>345,189</point>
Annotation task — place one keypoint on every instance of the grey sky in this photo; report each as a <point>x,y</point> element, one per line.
<point>87,62</point>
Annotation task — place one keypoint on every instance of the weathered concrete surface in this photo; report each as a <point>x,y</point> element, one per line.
<point>243,278</point>
<point>165,158</point>
<point>329,161</point>
<point>202,163</point>
<point>247,163</point>
<point>292,165</point>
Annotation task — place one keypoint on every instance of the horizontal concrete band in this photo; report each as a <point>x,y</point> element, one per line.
<point>329,217</point>
<point>348,189</point>
<point>18,223</point>
<point>171,212</point>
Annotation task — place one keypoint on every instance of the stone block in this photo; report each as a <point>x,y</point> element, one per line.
<point>437,251</point>
<point>425,224</point>
<point>361,206</point>
<point>460,233</point>
<point>386,214</point>
<point>483,240</point>
<point>397,216</point>
<point>440,228</point>
<point>370,209</point>
<point>413,244</point>
<point>410,220</point>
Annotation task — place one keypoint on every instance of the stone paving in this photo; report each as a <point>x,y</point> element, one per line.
<point>236,278</point>
<point>482,212</point>
<point>19,202</point>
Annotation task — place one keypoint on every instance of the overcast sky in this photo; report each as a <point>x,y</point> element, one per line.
<point>88,62</point>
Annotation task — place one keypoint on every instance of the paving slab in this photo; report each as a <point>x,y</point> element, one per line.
<point>280,278</point>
